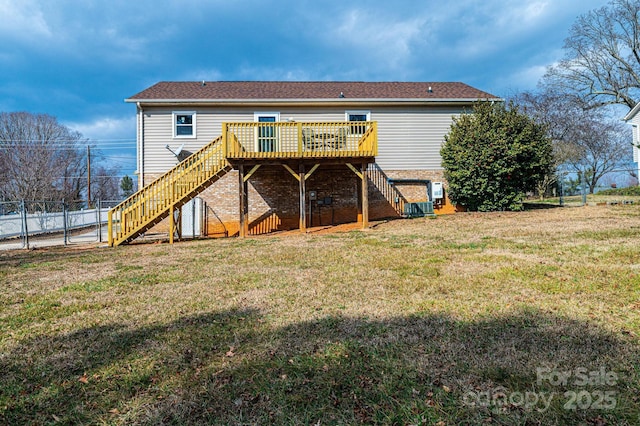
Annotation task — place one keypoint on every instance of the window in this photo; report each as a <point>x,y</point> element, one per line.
<point>358,116</point>
<point>184,124</point>
<point>267,136</point>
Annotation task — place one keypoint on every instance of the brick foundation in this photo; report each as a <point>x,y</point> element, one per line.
<point>416,193</point>
<point>274,204</point>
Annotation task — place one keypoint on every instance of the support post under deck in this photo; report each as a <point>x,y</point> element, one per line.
<point>303,200</point>
<point>365,196</point>
<point>243,207</point>
<point>175,223</point>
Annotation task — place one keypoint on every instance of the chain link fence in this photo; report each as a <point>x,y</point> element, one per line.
<point>30,224</point>
<point>572,190</point>
<point>25,224</point>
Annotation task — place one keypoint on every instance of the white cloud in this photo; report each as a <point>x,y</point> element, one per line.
<point>274,73</point>
<point>378,36</point>
<point>23,21</point>
<point>114,138</point>
<point>489,27</point>
<point>114,31</point>
<point>528,77</point>
<point>108,129</point>
<point>202,74</point>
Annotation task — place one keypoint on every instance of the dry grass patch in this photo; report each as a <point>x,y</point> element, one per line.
<point>400,324</point>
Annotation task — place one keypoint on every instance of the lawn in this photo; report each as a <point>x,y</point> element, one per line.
<point>495,318</point>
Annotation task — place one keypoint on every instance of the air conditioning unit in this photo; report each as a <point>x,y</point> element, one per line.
<point>420,209</point>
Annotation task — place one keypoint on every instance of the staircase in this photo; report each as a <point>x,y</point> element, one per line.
<point>389,191</point>
<point>164,196</point>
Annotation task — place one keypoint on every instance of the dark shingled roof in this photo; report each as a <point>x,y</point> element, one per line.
<point>307,90</point>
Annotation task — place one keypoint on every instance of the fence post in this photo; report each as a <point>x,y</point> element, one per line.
<point>25,228</point>
<point>561,188</point>
<point>64,221</point>
<point>99,215</point>
<point>583,183</point>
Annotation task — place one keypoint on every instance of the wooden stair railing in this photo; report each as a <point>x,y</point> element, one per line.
<point>389,191</point>
<point>156,201</point>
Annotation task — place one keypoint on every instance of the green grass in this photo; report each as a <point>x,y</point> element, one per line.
<point>628,191</point>
<point>410,322</point>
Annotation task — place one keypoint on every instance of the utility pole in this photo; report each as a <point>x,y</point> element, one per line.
<point>88,177</point>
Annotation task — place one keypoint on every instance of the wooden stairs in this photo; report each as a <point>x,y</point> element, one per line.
<point>164,196</point>
<point>388,190</point>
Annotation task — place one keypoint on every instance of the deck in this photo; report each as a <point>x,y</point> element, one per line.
<point>298,147</point>
<point>300,140</point>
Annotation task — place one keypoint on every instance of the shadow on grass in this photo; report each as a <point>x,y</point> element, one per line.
<point>232,367</point>
<point>540,206</point>
<point>21,257</point>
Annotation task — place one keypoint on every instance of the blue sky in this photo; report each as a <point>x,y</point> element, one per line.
<point>79,59</point>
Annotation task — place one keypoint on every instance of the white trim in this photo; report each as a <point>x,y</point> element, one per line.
<point>140,144</point>
<point>366,113</point>
<point>270,103</point>
<point>310,101</point>
<point>257,115</point>
<point>356,129</point>
<point>174,125</point>
<point>632,113</point>
<point>276,136</point>
<point>636,143</point>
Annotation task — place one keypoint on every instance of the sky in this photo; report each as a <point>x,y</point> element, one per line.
<point>78,60</point>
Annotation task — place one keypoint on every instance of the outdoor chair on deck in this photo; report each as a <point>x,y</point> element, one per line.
<point>341,138</point>
<point>308,139</point>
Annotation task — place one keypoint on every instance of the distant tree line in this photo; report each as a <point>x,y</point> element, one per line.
<point>572,125</point>
<point>43,160</point>
<point>581,99</point>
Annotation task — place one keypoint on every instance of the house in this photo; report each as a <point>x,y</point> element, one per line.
<point>267,156</point>
<point>634,119</point>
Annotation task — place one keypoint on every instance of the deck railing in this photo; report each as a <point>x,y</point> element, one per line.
<point>247,140</point>
<point>301,139</point>
<point>153,202</point>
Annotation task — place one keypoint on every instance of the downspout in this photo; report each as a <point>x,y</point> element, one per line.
<point>140,142</point>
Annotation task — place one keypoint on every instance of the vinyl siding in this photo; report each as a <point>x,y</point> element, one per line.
<point>409,138</point>
<point>635,123</point>
<point>158,133</point>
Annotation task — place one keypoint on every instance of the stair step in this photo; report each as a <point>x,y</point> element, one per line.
<point>153,203</point>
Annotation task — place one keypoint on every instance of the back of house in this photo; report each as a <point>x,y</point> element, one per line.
<point>296,152</point>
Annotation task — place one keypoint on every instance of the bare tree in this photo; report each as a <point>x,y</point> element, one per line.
<point>105,183</point>
<point>41,159</point>
<point>587,141</point>
<point>551,111</point>
<point>602,61</point>
<point>602,145</point>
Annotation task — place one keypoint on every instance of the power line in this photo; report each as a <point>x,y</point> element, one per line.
<point>92,176</point>
<point>45,141</point>
<point>67,147</point>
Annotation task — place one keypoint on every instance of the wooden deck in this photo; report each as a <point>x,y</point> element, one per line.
<point>298,147</point>
<point>303,140</point>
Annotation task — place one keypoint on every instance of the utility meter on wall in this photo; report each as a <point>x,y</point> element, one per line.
<point>437,191</point>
